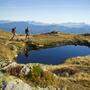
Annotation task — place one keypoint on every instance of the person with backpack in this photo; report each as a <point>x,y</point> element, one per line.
<point>27,33</point>
<point>13,33</point>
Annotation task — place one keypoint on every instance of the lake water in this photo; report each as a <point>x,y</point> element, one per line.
<point>56,55</point>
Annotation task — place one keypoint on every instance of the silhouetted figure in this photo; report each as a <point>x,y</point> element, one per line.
<point>26,52</point>
<point>13,33</point>
<point>27,33</point>
<point>26,49</point>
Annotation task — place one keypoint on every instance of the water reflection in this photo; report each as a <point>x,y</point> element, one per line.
<point>26,54</point>
<point>53,56</point>
<point>26,51</point>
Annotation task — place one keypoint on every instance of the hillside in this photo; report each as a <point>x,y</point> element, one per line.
<point>74,74</point>
<point>8,49</point>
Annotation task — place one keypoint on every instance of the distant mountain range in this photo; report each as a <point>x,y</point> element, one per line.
<point>38,27</point>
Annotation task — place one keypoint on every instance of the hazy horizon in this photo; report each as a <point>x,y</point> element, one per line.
<point>46,11</point>
<point>41,22</point>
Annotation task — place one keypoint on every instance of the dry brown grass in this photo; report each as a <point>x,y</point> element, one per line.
<point>76,71</point>
<point>8,48</point>
<point>84,61</point>
<point>5,52</point>
<point>4,35</point>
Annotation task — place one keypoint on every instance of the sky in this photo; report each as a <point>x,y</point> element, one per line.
<point>47,11</point>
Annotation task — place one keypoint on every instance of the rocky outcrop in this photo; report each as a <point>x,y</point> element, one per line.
<point>75,70</point>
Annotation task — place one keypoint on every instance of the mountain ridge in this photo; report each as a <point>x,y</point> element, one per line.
<point>39,27</point>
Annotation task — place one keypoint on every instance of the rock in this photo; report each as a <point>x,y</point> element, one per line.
<point>13,64</point>
<point>13,69</point>
<point>3,63</point>
<point>66,74</point>
<point>17,84</point>
<point>25,70</point>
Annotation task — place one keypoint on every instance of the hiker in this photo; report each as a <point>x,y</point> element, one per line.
<point>13,33</point>
<point>27,33</point>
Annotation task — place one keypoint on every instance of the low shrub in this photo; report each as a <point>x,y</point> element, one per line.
<point>65,71</point>
<point>41,78</point>
<point>36,72</point>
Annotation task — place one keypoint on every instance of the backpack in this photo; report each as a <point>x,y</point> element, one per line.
<point>13,30</point>
<point>26,30</point>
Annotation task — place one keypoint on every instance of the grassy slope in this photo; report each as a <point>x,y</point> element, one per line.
<point>74,74</point>
<point>46,40</point>
<point>8,48</point>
